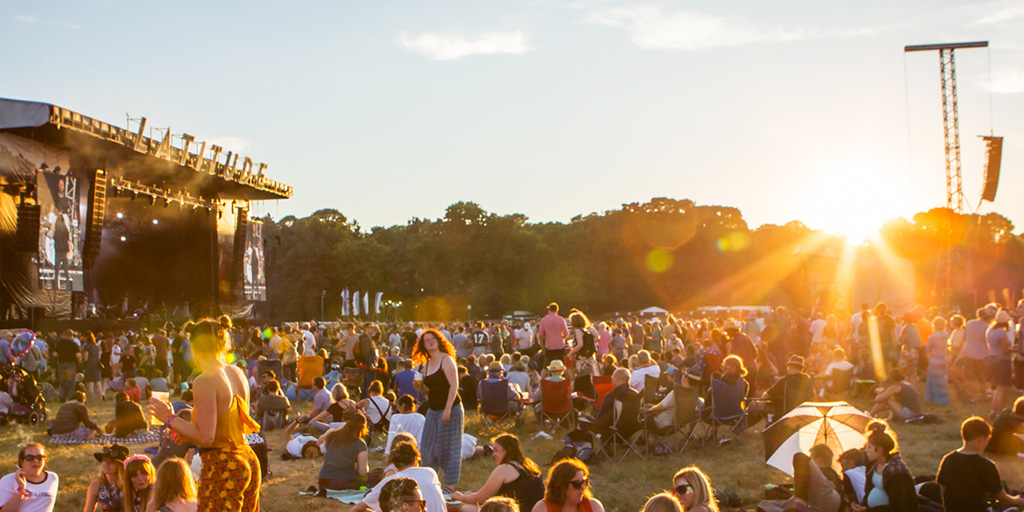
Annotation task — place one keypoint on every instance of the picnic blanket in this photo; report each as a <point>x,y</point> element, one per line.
<point>349,496</point>
<point>142,437</point>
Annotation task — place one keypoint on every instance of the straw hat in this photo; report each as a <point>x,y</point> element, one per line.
<point>556,366</point>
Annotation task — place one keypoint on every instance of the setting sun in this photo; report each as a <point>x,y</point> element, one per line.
<point>851,200</point>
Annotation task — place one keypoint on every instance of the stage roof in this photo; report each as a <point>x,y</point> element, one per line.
<point>180,160</point>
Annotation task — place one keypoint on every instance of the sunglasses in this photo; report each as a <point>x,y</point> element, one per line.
<point>33,458</point>
<point>683,489</point>
<point>580,484</point>
<point>421,503</point>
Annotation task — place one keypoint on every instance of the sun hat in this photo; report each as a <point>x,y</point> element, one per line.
<point>494,367</point>
<point>795,360</point>
<point>556,366</point>
<point>113,452</point>
<point>1002,317</point>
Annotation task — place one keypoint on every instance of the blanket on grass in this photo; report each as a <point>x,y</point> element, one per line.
<point>142,437</point>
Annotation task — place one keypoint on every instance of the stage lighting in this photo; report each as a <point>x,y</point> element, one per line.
<point>120,215</point>
<point>155,222</point>
<point>124,238</point>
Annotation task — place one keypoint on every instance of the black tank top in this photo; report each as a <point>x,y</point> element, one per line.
<point>526,490</point>
<point>437,390</point>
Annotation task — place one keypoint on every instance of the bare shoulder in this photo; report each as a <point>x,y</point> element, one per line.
<point>541,506</point>
<point>595,505</point>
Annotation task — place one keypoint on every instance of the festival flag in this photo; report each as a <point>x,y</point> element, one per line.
<point>376,307</point>
<point>355,304</point>
<point>345,305</point>
<point>366,303</point>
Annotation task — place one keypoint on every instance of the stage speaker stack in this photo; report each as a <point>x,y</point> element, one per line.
<point>96,213</point>
<point>993,160</point>
<point>238,258</point>
<point>26,237</point>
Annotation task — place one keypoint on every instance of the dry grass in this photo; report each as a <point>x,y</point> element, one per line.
<point>622,487</point>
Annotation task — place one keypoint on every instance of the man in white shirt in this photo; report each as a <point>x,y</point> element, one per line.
<point>644,368</point>
<point>406,420</point>
<point>817,329</point>
<point>308,341</point>
<point>31,488</point>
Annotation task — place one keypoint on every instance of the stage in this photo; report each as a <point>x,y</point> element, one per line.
<point>100,223</point>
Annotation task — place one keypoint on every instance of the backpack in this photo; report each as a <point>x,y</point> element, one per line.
<point>587,349</point>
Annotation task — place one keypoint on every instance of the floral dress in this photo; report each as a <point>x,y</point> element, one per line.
<point>110,498</point>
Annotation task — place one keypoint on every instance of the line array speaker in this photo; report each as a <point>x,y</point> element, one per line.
<point>96,214</point>
<point>238,257</point>
<point>993,160</point>
<point>26,237</point>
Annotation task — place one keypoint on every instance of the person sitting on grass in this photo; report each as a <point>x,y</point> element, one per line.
<point>900,401</point>
<point>516,476</point>
<point>340,411</point>
<point>376,407</point>
<point>889,484</point>
<point>406,420</point>
<point>345,459</point>
<point>568,489</point>
<point>132,389</point>
<point>967,477</point>
<point>272,407</point>
<point>401,495</point>
<point>139,475</point>
<point>693,490</point>
<point>389,464</point>
<point>813,490</point>
<point>1008,431</point>
<point>128,417</point>
<point>663,502</point>
<point>406,459</point>
<point>30,487</point>
<point>73,417</point>
<point>174,489</point>
<point>499,504</point>
<point>107,490</point>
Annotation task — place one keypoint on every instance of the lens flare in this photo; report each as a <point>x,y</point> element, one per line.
<point>658,260</point>
<point>734,242</point>
<point>267,333</point>
<point>230,358</point>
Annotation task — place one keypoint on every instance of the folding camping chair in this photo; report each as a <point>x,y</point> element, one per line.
<point>727,410</point>
<point>652,390</point>
<point>310,367</point>
<point>602,386</point>
<point>556,405</point>
<point>686,420</point>
<point>626,433</point>
<point>497,409</point>
<point>840,383</point>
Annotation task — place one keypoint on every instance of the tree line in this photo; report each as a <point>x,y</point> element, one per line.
<point>667,252</point>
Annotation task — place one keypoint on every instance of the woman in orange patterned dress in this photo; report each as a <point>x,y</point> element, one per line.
<point>230,478</point>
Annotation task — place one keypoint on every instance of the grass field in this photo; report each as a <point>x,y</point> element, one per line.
<point>621,487</point>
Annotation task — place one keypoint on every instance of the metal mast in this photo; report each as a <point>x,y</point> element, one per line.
<point>951,263</point>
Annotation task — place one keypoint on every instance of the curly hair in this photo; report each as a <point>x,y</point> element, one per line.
<point>559,477</point>
<point>394,492</point>
<point>419,352</point>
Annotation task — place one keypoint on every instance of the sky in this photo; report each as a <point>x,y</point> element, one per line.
<point>388,110</point>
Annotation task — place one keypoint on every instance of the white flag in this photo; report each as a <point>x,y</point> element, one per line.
<point>376,306</point>
<point>355,303</point>
<point>366,303</point>
<point>345,306</point>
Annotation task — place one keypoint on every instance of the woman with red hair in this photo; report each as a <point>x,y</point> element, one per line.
<point>442,431</point>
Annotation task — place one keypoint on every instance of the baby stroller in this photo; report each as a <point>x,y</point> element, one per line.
<point>28,404</point>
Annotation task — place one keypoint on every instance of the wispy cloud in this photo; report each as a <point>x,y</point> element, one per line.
<point>651,27</point>
<point>440,46</point>
<point>997,12</point>
<point>1008,81</point>
<point>28,18</point>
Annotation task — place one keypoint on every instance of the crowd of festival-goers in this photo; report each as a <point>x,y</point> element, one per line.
<point>614,387</point>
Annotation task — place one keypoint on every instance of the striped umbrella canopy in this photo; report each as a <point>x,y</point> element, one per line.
<point>838,425</point>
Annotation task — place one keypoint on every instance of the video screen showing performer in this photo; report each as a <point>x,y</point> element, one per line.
<point>255,280</point>
<point>60,252</point>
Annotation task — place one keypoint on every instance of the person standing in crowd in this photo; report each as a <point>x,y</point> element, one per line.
<point>568,489</point>
<point>91,367</point>
<point>516,476</point>
<point>889,482</point>
<point>221,421</point>
<point>584,348</point>
<point>999,354</point>
<point>65,352</point>
<point>975,353</point>
<point>936,388</point>
<point>442,432</point>
<point>107,490</point>
<point>967,477</point>
<point>31,488</point>
<point>174,489</point>
<point>160,346</point>
<point>551,333</point>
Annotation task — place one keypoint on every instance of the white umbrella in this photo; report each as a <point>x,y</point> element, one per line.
<point>838,425</point>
